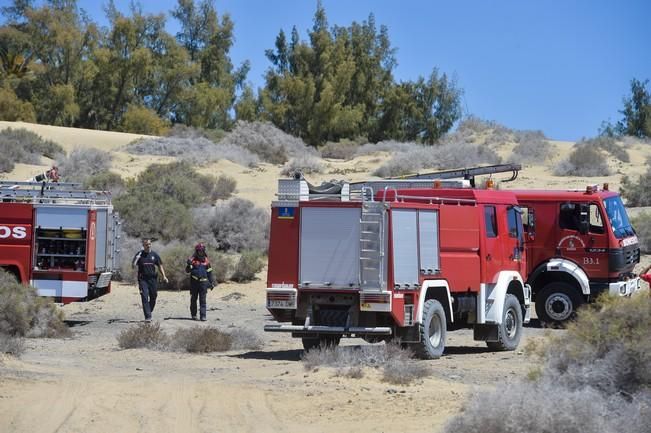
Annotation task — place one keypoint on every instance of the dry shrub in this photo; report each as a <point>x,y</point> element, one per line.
<point>106,181</point>
<point>607,348</point>
<point>266,141</point>
<point>638,193</point>
<point>183,131</point>
<point>198,339</point>
<point>25,314</point>
<point>233,225</point>
<point>83,163</point>
<point>10,345</point>
<point>23,146</point>
<point>222,266</point>
<point>388,146</point>
<point>249,264</point>
<point>547,407</point>
<point>128,247</point>
<point>398,365</point>
<point>147,335</point>
<point>242,339</point>
<point>584,160</point>
<point>193,149</point>
<point>305,164</point>
<point>447,156</point>
<point>174,256</point>
<point>489,133</point>
<point>340,150</point>
<point>532,147</point>
<point>604,358</point>
<point>224,188</point>
<point>609,144</point>
<point>201,339</point>
<point>642,225</point>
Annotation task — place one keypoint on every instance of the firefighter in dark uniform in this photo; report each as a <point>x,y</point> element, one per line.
<point>146,261</point>
<point>201,279</point>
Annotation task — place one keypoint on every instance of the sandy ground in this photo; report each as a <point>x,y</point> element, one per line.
<point>86,383</point>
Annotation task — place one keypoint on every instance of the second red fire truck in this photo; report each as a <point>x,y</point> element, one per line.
<point>404,259</point>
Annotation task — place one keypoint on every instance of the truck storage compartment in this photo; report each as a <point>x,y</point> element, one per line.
<point>329,247</point>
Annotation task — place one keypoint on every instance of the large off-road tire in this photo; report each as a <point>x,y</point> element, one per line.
<point>432,331</point>
<point>557,302</point>
<point>326,341</point>
<point>509,331</point>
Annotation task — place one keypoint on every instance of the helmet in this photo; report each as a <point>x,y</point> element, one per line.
<point>200,247</point>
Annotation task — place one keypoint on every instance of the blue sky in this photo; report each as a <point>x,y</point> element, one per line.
<point>559,66</point>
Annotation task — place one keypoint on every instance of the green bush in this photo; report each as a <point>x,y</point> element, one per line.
<point>637,193</point>
<point>174,257</point>
<point>158,203</point>
<point>25,314</point>
<point>143,120</point>
<point>249,264</point>
<point>222,266</point>
<point>642,225</point>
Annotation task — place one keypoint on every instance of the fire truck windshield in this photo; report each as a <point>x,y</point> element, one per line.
<point>618,217</point>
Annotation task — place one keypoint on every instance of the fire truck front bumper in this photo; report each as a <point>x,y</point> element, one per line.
<point>299,330</point>
<point>624,288</point>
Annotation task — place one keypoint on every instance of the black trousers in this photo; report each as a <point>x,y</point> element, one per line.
<point>148,293</point>
<point>198,290</point>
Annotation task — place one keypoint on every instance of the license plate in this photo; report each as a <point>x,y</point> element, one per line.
<point>280,304</point>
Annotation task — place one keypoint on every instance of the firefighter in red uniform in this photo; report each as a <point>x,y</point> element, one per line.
<point>201,279</point>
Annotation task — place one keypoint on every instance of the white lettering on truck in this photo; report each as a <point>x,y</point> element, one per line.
<point>15,232</point>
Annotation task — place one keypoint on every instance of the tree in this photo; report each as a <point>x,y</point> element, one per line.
<point>637,111</point>
<point>339,84</point>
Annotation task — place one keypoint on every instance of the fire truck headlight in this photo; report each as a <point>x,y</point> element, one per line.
<point>622,289</point>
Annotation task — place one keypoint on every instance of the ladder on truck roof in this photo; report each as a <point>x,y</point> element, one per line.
<point>51,192</point>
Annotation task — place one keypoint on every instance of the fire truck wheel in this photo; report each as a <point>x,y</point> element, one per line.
<point>510,331</point>
<point>323,342</point>
<point>557,303</point>
<point>432,331</point>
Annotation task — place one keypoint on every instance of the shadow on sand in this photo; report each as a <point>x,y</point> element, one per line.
<point>272,355</point>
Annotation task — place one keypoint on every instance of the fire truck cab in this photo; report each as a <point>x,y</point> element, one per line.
<point>579,245</point>
<point>59,238</point>
<point>397,259</point>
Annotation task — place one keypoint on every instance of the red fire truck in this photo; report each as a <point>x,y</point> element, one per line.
<point>582,244</point>
<point>404,259</point>
<point>58,238</point>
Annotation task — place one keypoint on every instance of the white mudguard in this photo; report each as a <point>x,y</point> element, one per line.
<point>490,302</point>
<point>564,265</point>
<point>442,284</point>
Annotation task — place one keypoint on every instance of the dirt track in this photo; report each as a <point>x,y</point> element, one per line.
<point>86,383</point>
